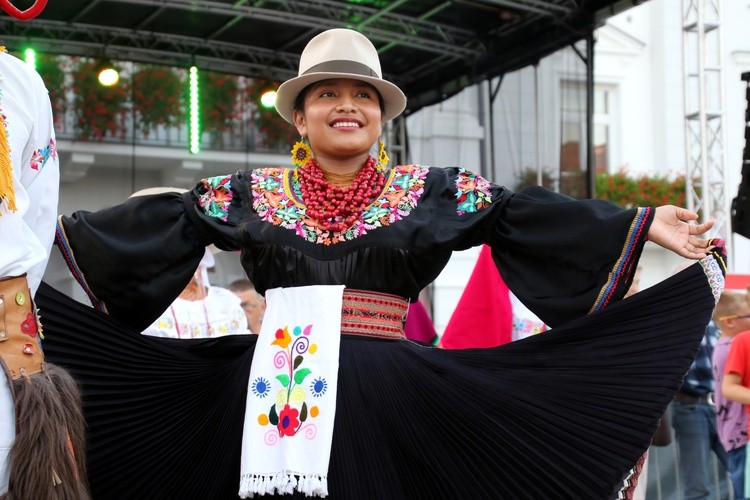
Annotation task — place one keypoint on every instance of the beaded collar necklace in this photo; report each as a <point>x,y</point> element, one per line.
<point>336,208</point>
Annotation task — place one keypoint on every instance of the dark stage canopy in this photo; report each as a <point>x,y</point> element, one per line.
<point>431,49</point>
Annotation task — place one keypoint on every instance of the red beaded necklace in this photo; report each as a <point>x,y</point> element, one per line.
<point>337,208</point>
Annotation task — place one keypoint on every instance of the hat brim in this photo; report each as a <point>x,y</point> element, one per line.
<point>394,100</point>
<point>158,190</point>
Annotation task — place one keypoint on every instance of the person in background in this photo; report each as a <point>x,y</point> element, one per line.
<point>251,302</point>
<point>731,417</point>
<point>694,422</point>
<point>525,322</point>
<point>201,310</point>
<point>635,286</point>
<point>42,432</point>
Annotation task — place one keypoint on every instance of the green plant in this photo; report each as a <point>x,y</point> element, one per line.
<point>99,110</point>
<point>574,184</point>
<point>218,96</point>
<point>50,69</point>
<point>157,92</point>
<point>529,177</point>
<point>643,190</point>
<point>618,187</point>
<point>570,183</point>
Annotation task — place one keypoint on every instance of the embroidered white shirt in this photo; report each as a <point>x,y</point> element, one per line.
<point>26,234</point>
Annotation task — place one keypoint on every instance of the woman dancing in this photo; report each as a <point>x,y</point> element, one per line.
<point>330,398</point>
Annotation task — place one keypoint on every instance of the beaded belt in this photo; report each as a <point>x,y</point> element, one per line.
<point>373,314</point>
<point>20,353</point>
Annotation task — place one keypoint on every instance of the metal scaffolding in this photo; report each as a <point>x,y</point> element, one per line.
<point>704,114</point>
<point>432,49</point>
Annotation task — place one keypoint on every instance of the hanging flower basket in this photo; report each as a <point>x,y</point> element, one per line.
<point>218,97</point>
<point>99,111</point>
<point>50,68</point>
<point>157,92</point>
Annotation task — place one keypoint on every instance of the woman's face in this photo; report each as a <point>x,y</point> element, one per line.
<point>341,118</point>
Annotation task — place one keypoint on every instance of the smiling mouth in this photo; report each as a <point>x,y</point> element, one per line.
<point>347,124</point>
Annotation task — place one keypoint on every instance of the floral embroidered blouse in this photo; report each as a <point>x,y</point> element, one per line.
<point>563,258</point>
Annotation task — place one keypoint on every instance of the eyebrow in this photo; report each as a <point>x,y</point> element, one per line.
<point>331,81</point>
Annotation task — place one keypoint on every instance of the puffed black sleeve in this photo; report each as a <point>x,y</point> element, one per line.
<point>135,258</point>
<point>564,258</point>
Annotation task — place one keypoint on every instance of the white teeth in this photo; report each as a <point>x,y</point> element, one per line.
<point>345,124</point>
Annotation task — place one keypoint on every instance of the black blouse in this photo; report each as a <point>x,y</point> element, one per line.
<point>562,257</point>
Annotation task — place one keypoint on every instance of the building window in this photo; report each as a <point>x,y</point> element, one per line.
<point>573,134</point>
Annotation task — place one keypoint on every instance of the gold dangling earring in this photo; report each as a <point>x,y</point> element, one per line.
<point>383,158</point>
<point>301,153</point>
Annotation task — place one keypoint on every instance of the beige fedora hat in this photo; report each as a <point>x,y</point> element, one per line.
<point>339,53</point>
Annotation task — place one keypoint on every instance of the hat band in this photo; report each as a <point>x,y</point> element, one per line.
<point>342,66</point>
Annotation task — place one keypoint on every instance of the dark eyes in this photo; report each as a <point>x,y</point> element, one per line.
<point>363,94</point>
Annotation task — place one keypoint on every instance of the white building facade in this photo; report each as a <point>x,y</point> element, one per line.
<point>639,120</point>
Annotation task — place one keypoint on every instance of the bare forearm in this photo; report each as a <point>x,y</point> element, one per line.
<point>735,391</point>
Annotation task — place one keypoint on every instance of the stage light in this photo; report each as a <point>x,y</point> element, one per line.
<point>194,105</point>
<point>108,76</point>
<point>268,99</point>
<point>29,55</point>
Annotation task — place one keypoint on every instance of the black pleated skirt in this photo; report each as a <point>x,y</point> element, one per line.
<point>563,414</point>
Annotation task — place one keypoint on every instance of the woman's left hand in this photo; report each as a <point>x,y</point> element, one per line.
<point>672,230</point>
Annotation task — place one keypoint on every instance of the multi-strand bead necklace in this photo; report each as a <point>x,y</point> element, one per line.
<point>336,208</point>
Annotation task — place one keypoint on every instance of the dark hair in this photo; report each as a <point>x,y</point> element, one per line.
<point>299,101</point>
<point>52,438</point>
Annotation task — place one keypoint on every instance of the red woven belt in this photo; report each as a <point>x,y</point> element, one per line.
<point>373,314</point>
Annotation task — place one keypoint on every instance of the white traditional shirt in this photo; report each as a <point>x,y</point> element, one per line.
<point>218,314</point>
<point>26,234</point>
<point>525,322</point>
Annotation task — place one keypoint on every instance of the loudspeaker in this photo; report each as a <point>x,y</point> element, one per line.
<point>740,211</point>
